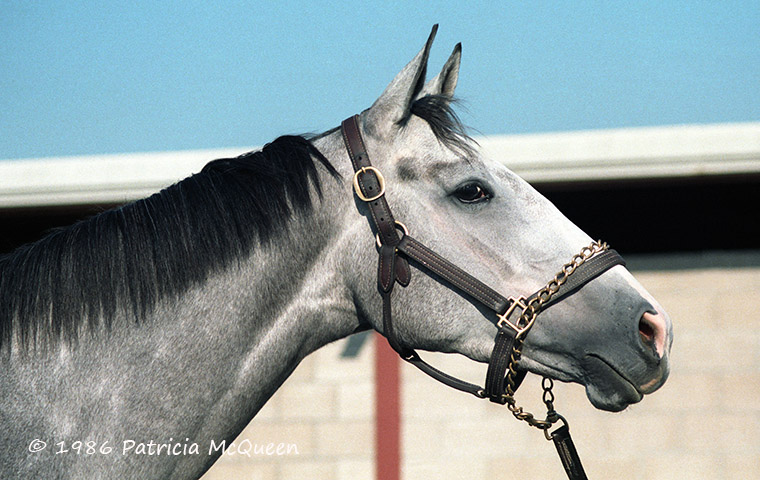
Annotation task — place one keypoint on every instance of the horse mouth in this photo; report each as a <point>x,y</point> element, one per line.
<point>606,387</point>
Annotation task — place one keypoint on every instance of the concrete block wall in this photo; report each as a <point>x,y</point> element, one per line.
<point>701,424</point>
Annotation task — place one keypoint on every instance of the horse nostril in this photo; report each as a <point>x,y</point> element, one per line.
<point>646,331</point>
<point>652,332</point>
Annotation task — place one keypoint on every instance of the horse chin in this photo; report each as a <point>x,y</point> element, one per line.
<point>606,388</point>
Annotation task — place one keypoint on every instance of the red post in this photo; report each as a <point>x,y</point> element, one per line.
<point>387,412</point>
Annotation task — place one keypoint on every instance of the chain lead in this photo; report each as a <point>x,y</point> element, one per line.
<point>528,316</point>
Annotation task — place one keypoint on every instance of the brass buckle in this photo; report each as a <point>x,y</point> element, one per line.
<point>504,318</point>
<point>380,181</point>
<point>399,226</point>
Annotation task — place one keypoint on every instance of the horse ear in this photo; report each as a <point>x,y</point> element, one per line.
<point>445,82</point>
<point>394,105</point>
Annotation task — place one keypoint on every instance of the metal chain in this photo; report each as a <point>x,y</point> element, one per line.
<point>532,309</point>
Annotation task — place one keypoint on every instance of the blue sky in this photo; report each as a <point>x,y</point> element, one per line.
<point>106,77</point>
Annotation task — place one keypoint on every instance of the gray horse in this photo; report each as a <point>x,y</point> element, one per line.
<point>167,324</point>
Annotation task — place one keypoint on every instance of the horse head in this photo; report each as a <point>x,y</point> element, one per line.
<point>611,335</point>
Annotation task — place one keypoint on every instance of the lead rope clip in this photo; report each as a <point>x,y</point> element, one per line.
<point>566,450</point>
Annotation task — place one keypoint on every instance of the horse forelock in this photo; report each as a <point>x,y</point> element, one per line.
<point>438,111</point>
<point>127,259</point>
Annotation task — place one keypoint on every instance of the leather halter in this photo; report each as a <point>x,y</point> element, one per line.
<point>396,250</point>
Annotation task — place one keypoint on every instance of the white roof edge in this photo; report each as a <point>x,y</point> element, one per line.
<point>98,179</point>
<point>631,153</point>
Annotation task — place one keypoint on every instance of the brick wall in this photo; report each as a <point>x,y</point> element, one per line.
<point>701,424</point>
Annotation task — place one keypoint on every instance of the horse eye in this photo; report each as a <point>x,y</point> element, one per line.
<point>472,193</point>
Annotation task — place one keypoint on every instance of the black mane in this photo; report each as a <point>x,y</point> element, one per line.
<point>128,258</point>
<point>438,112</point>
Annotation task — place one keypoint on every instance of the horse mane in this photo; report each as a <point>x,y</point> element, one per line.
<point>128,258</point>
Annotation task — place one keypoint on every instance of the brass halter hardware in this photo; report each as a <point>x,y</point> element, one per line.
<point>399,226</point>
<point>380,181</point>
<point>520,302</point>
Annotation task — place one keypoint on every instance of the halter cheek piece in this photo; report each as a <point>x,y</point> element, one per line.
<point>513,316</point>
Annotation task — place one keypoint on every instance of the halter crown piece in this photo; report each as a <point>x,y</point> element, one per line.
<point>513,316</point>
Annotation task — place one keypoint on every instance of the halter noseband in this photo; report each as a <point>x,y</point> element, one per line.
<point>513,316</point>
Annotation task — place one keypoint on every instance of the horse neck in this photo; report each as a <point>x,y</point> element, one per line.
<point>219,350</point>
<point>257,319</point>
<point>243,333</point>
